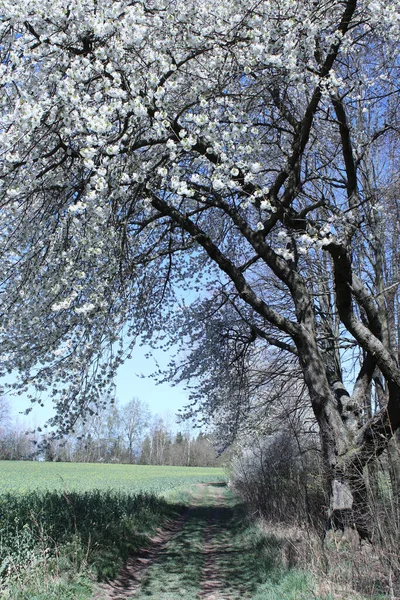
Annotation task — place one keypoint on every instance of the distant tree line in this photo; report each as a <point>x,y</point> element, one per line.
<point>119,434</point>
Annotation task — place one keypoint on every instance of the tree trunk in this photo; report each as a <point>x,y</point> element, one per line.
<point>346,488</point>
<point>349,506</point>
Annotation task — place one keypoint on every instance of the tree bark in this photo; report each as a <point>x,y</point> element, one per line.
<point>343,460</point>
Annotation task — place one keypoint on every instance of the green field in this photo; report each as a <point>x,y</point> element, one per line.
<point>74,520</point>
<point>24,476</point>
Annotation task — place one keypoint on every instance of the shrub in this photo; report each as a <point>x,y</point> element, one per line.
<point>281,479</point>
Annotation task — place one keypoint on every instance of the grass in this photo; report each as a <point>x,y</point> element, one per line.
<point>57,544</point>
<point>104,527</point>
<point>64,525</point>
<point>24,476</point>
<point>219,549</point>
<point>40,585</point>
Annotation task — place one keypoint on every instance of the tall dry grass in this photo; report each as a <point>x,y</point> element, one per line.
<point>283,483</point>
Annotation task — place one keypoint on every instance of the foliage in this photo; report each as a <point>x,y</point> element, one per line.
<point>282,481</point>
<point>113,434</point>
<point>43,583</point>
<point>104,526</point>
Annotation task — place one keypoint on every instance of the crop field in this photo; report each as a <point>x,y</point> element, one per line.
<point>21,476</point>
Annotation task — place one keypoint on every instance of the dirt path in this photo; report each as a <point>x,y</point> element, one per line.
<point>133,573</point>
<point>194,558</point>
<point>216,555</point>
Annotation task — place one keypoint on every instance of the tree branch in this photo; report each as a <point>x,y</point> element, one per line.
<point>234,273</point>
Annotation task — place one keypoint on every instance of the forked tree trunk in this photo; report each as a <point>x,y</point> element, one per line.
<point>343,460</point>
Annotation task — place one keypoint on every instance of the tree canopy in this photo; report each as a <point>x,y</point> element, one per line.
<point>247,151</point>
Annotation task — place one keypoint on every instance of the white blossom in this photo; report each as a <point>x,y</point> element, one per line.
<point>85,308</point>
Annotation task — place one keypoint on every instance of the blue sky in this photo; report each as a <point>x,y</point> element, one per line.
<point>161,398</point>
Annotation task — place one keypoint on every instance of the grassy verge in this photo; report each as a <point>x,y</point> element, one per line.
<point>55,545</point>
<point>343,572</point>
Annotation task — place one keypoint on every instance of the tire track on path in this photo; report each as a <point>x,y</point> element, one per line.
<point>193,558</point>
<point>132,575</point>
<point>211,584</point>
<point>219,552</point>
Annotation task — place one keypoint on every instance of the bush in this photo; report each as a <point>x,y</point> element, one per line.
<point>281,479</point>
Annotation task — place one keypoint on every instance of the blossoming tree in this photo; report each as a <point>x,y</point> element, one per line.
<point>245,149</point>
